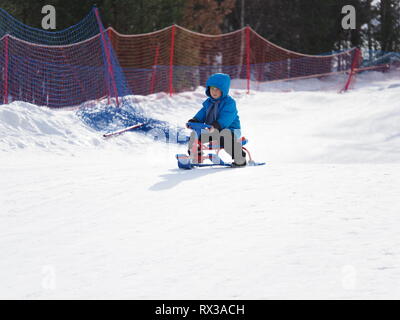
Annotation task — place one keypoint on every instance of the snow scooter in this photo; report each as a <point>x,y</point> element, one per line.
<point>186,161</point>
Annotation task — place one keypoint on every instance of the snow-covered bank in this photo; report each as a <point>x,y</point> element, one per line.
<point>84,217</point>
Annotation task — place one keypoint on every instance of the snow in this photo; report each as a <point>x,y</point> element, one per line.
<point>82,217</point>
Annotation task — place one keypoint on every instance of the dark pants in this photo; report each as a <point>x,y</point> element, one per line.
<point>227,140</point>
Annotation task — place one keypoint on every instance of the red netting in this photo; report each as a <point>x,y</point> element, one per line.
<point>145,59</point>
<point>176,59</point>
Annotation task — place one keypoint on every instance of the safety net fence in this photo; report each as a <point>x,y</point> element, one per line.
<point>58,69</point>
<point>176,59</point>
<point>101,71</point>
<point>87,62</point>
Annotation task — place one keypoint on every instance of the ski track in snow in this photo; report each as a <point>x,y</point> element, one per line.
<point>82,217</point>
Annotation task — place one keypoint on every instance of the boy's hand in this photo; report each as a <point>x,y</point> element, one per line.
<point>211,129</point>
<point>191,120</point>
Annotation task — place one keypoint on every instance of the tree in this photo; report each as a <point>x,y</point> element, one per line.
<point>307,26</point>
<point>388,30</point>
<point>298,25</point>
<point>206,16</point>
<point>128,16</point>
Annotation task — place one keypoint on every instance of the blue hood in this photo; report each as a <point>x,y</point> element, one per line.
<point>220,80</point>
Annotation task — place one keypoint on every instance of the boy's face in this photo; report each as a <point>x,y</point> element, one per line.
<point>215,92</point>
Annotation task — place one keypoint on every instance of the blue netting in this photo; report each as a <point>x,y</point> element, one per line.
<point>59,69</point>
<point>376,58</point>
<point>115,77</point>
<point>81,31</point>
<point>109,118</point>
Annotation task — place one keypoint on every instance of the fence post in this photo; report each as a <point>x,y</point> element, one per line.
<point>5,100</point>
<point>171,61</point>
<point>354,66</point>
<point>153,76</point>
<point>248,73</point>
<point>108,54</point>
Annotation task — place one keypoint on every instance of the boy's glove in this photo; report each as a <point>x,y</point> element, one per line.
<point>191,120</point>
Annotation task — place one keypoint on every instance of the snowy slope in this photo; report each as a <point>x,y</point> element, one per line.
<point>83,217</point>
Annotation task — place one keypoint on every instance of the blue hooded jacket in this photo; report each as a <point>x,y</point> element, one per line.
<point>227,116</point>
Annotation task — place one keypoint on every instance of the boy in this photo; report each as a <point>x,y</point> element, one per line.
<point>220,111</point>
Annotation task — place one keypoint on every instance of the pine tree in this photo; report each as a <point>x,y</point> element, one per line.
<point>388,31</point>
